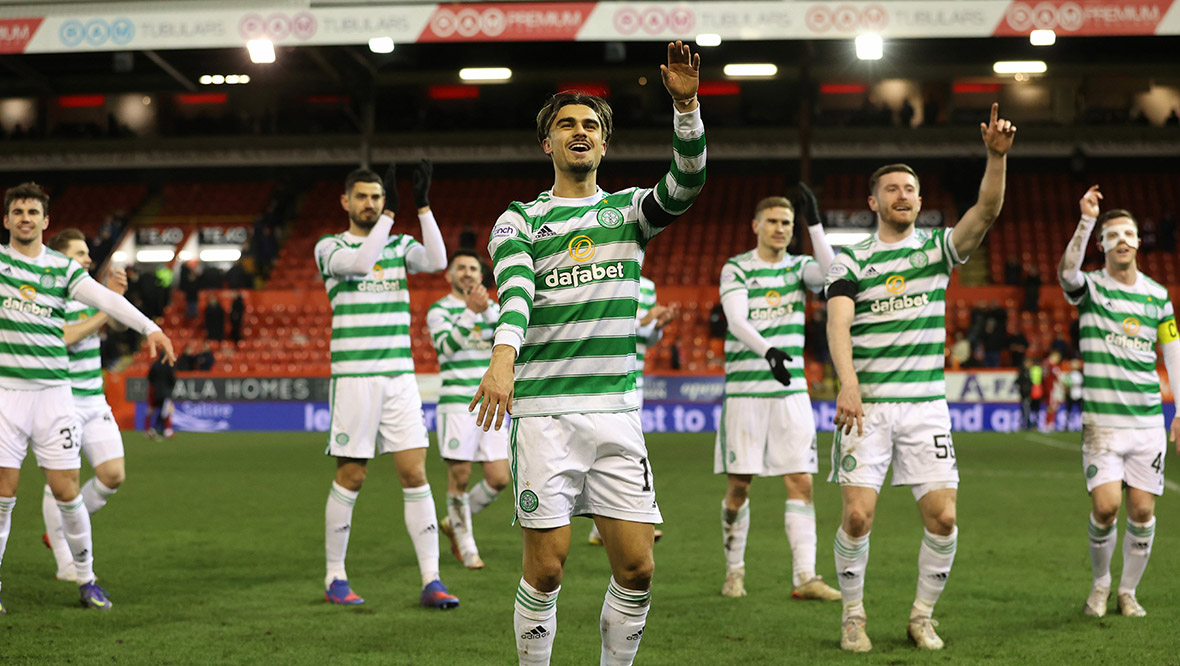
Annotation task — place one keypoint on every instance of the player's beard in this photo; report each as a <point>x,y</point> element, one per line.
<point>896,220</point>
<point>360,221</point>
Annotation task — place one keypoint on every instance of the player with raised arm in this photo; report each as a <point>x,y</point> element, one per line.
<point>650,320</point>
<point>36,404</point>
<point>887,333</point>
<point>1124,315</point>
<point>462,325</point>
<point>102,443</point>
<point>767,426</point>
<point>376,407</point>
<point>567,266</point>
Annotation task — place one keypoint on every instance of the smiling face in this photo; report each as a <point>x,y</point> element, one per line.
<point>774,227</point>
<point>464,274</point>
<point>26,219</point>
<point>364,203</point>
<point>575,140</point>
<point>896,199</point>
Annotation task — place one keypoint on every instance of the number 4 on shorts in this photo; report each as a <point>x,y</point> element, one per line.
<point>1158,463</point>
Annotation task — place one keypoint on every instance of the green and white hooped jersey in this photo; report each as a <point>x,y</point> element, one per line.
<point>85,356</point>
<point>370,313</point>
<point>33,297</point>
<point>899,329</point>
<point>463,340</point>
<point>568,277</point>
<point>1119,327</point>
<point>647,301</point>
<point>777,310</point>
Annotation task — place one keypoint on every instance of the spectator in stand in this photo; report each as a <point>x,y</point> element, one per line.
<point>1168,231</point>
<point>1017,348</point>
<point>237,312</point>
<point>815,337</point>
<point>211,277</point>
<point>467,239</point>
<point>187,360</point>
<point>1013,273</point>
<point>994,341</point>
<point>214,319</point>
<point>1173,120</point>
<point>960,351</point>
<point>265,250</point>
<point>975,327</point>
<point>238,278</point>
<point>1060,346</point>
<point>190,286</point>
<point>205,359</point>
<point>717,323</point>
<point>1148,235</point>
<point>1032,290</point>
<point>161,381</point>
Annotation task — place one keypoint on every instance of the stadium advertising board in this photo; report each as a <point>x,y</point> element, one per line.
<point>292,416</point>
<point>153,27</point>
<point>983,401</point>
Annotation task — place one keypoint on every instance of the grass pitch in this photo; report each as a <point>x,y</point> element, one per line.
<point>213,554</point>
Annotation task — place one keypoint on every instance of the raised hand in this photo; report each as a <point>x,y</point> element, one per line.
<point>807,207</point>
<point>669,314</point>
<point>117,281</point>
<point>389,182</point>
<point>1089,202</point>
<point>998,133</point>
<point>682,74</point>
<point>421,182</point>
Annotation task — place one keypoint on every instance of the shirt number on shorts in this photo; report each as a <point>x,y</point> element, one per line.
<point>1158,463</point>
<point>646,475</point>
<point>69,433</point>
<point>943,447</point>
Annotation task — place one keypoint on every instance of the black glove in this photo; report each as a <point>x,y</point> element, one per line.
<point>807,206</point>
<point>421,181</point>
<point>778,360</point>
<point>392,202</point>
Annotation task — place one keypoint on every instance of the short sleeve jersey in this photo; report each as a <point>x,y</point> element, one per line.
<point>85,354</point>
<point>464,352</point>
<point>1119,326</point>
<point>33,297</point>
<point>899,328</point>
<point>370,313</point>
<point>777,307</point>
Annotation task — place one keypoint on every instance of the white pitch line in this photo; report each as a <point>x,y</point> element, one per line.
<point>1049,441</point>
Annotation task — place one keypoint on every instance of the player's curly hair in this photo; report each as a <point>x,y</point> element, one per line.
<point>567,97</point>
<point>23,191</point>
<point>891,168</point>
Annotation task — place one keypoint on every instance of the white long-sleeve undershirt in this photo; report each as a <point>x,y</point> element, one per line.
<point>120,309</point>
<point>737,314</point>
<point>1070,274</point>
<point>432,255</point>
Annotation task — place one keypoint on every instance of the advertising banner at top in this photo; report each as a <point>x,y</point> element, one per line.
<point>154,28</point>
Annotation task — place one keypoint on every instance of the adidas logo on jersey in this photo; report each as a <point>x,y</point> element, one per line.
<point>535,633</point>
<point>544,232</point>
<point>872,272</point>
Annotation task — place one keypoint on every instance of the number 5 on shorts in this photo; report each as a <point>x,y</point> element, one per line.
<point>943,447</point>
